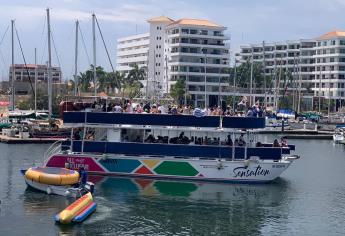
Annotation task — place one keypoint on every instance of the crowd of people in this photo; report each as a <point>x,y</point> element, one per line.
<point>157,108</point>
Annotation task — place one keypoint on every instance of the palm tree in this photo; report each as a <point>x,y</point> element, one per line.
<point>136,74</point>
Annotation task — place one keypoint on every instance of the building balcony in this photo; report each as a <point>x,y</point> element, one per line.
<point>181,63</point>
<point>140,43</point>
<point>200,55</point>
<point>200,36</point>
<point>133,52</point>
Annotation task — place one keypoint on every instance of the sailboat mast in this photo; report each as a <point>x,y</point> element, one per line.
<point>94,53</point>
<point>49,68</point>
<point>76,59</point>
<point>251,80</point>
<point>13,75</point>
<point>35,80</point>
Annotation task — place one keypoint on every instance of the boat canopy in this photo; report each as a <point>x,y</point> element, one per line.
<point>162,120</point>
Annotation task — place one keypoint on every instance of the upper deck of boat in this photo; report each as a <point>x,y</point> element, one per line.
<point>82,118</point>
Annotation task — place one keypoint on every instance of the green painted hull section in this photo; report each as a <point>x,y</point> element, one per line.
<point>176,168</point>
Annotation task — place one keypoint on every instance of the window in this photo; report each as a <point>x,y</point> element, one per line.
<point>342,42</point>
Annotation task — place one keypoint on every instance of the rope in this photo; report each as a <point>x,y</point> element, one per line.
<point>27,71</point>
<point>84,45</point>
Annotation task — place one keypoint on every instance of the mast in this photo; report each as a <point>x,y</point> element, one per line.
<point>299,88</point>
<point>264,68</point>
<point>234,85</point>
<point>35,80</point>
<point>251,79</point>
<point>49,69</point>
<point>76,59</point>
<point>94,53</point>
<point>13,75</point>
<point>320,92</point>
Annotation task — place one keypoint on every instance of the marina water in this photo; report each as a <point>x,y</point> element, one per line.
<point>308,199</point>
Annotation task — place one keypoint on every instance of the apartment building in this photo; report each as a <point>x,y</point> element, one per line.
<point>132,50</point>
<point>316,65</point>
<point>193,50</point>
<point>25,74</point>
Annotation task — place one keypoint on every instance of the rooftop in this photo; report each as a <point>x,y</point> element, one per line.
<point>160,19</point>
<point>198,22</point>
<point>332,34</point>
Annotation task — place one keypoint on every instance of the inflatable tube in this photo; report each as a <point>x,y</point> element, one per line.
<point>52,175</point>
<point>75,209</point>
<point>85,213</point>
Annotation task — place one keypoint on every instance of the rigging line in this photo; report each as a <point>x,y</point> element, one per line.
<point>56,53</point>
<point>27,70</point>
<point>44,28</point>
<point>2,58</point>
<point>3,36</point>
<point>84,45</point>
<point>105,46</point>
<point>44,50</point>
<point>106,50</point>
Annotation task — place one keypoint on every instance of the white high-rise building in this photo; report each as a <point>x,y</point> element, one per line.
<point>317,65</point>
<point>132,50</point>
<point>192,50</point>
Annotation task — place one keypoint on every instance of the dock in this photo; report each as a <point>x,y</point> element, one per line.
<point>18,140</point>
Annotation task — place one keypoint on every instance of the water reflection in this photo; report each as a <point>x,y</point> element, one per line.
<point>156,206</point>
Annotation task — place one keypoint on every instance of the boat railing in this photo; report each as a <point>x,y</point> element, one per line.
<point>53,149</point>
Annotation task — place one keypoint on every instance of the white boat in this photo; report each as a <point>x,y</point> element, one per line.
<point>338,136</point>
<point>124,144</point>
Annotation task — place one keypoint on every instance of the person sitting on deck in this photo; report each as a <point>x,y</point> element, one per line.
<point>241,141</point>
<point>229,140</point>
<point>276,143</point>
<point>283,142</point>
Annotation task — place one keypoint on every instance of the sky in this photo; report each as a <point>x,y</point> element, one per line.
<point>248,21</point>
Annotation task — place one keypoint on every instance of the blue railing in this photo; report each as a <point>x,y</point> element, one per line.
<point>163,120</point>
<point>176,150</point>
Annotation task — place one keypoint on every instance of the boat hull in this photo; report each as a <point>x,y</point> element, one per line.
<point>244,171</point>
<point>338,138</point>
<point>66,191</point>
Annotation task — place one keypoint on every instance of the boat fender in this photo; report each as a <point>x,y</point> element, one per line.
<point>67,193</point>
<point>219,164</point>
<point>49,191</point>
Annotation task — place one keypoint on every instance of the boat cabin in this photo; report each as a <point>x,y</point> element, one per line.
<point>160,135</point>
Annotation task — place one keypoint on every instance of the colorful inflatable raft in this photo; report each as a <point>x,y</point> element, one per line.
<point>78,211</point>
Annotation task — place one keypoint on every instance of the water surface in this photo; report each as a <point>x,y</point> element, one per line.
<point>308,199</point>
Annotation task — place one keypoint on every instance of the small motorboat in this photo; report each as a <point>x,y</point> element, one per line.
<point>59,181</point>
<point>338,136</point>
<point>78,211</point>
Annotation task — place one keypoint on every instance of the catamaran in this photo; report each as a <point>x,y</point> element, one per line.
<point>184,147</point>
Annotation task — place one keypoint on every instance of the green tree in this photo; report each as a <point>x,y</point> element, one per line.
<point>85,79</point>
<point>177,91</point>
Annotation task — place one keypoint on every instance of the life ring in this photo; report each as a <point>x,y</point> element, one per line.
<point>52,175</point>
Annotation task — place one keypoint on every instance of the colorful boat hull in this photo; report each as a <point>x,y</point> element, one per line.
<point>220,170</point>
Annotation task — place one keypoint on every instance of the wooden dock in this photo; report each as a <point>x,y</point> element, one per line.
<point>17,140</point>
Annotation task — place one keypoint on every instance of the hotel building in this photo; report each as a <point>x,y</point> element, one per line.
<point>317,65</point>
<point>192,50</point>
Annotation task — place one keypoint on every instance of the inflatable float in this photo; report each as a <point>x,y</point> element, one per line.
<point>59,181</point>
<point>52,175</point>
<point>78,211</point>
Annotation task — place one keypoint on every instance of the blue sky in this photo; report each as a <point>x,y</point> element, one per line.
<point>248,21</point>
